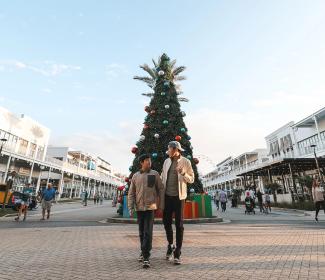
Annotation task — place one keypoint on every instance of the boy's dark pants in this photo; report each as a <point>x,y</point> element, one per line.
<point>145,221</point>
<point>174,205</point>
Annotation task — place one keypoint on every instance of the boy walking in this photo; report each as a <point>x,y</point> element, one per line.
<point>146,194</point>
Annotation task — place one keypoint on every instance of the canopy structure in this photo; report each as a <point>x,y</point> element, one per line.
<point>286,166</point>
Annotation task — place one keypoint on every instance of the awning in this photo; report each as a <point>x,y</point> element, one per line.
<point>282,167</point>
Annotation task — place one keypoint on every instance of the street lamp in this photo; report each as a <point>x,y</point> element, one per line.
<point>3,141</point>
<point>317,164</point>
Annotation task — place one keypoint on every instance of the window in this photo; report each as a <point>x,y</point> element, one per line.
<point>22,146</point>
<point>40,153</point>
<point>32,150</point>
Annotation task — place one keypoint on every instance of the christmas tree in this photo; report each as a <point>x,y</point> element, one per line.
<point>164,121</point>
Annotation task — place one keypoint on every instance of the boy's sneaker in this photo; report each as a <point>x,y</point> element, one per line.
<point>140,259</point>
<point>170,251</point>
<point>146,263</point>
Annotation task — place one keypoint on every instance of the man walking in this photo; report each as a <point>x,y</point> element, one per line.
<point>259,196</point>
<point>48,196</point>
<point>86,198</point>
<point>217,199</point>
<point>176,174</point>
<point>223,200</point>
<point>145,190</point>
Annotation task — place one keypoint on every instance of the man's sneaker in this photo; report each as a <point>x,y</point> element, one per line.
<point>170,251</point>
<point>177,261</point>
<point>177,257</point>
<point>140,259</point>
<point>146,263</point>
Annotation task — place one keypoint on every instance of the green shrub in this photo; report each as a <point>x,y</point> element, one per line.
<point>304,205</point>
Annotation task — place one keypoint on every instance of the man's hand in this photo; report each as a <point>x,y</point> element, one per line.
<point>179,170</point>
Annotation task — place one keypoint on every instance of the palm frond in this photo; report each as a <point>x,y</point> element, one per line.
<point>180,78</point>
<point>178,87</point>
<point>150,94</point>
<point>143,79</point>
<point>154,63</point>
<point>149,81</point>
<point>146,68</point>
<point>183,99</point>
<point>178,70</point>
<point>172,63</point>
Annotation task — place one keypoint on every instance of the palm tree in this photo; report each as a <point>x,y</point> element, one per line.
<point>163,67</point>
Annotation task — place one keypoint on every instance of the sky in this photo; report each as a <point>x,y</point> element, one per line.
<point>252,66</point>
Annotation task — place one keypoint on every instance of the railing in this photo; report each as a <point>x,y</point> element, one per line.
<point>64,166</point>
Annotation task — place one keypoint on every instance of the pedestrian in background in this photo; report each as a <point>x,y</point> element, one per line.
<point>101,198</point>
<point>48,196</point>
<point>217,199</point>
<point>85,198</point>
<point>95,198</point>
<point>259,196</point>
<point>223,200</point>
<point>268,200</point>
<point>318,197</point>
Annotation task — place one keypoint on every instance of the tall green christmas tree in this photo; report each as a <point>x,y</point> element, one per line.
<point>164,121</point>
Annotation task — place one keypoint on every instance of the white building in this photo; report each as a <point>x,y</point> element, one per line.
<point>285,146</point>
<point>24,143</point>
<point>25,150</point>
<point>80,171</point>
<point>225,175</point>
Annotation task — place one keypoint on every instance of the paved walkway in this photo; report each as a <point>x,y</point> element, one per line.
<point>254,250</point>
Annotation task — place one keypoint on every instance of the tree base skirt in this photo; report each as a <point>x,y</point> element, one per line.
<point>121,220</point>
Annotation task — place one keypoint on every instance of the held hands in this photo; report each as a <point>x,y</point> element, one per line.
<point>131,212</point>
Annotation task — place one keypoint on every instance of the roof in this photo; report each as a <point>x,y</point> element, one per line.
<point>282,167</point>
<point>309,121</point>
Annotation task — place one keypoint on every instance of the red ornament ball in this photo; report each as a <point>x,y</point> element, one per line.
<point>178,138</point>
<point>134,150</point>
<point>196,160</point>
<point>147,109</point>
<point>127,180</point>
<point>153,112</point>
<point>146,126</point>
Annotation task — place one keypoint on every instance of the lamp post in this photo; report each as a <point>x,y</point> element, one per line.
<point>3,141</point>
<point>317,163</point>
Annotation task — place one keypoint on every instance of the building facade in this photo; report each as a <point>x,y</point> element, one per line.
<point>300,140</point>
<point>26,153</point>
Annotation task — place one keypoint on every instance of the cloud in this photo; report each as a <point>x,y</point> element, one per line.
<point>114,147</point>
<point>86,98</point>
<point>289,102</point>
<point>46,90</point>
<point>218,134</point>
<point>45,68</point>
<point>114,70</point>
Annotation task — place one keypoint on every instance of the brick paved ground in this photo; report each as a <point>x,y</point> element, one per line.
<point>253,250</point>
<point>210,252</point>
